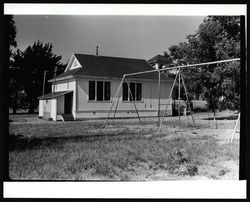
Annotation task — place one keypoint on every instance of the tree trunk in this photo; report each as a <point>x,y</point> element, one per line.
<point>14,107</point>
<point>31,106</point>
<point>31,110</point>
<point>208,118</point>
<point>215,121</point>
<point>173,108</point>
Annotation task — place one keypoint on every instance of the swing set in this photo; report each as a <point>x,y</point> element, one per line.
<point>180,80</point>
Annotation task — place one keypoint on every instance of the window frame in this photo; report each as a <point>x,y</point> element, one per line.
<point>103,91</point>
<point>93,89</point>
<point>99,91</point>
<point>136,92</point>
<point>108,89</point>
<point>128,94</point>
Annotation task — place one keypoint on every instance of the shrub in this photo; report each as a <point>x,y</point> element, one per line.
<point>199,109</point>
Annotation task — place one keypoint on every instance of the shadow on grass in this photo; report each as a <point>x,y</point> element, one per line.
<point>23,113</point>
<point>19,142</point>
<point>231,117</point>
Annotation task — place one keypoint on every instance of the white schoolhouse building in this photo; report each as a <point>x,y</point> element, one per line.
<point>89,83</point>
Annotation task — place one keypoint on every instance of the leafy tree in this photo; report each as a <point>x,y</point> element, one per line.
<point>217,38</point>
<point>181,53</point>
<point>29,66</point>
<point>10,29</point>
<point>167,57</point>
<point>10,35</point>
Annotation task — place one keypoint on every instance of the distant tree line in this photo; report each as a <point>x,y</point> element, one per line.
<point>26,70</point>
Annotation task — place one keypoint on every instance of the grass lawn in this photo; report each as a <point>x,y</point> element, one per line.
<point>125,150</point>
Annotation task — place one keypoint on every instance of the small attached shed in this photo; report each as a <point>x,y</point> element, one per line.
<point>53,105</point>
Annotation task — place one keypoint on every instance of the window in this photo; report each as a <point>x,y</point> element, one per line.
<point>139,92</point>
<point>125,92</point>
<point>134,94</point>
<point>99,90</point>
<point>107,91</point>
<point>91,90</point>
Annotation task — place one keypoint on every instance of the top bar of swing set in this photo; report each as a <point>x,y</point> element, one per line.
<point>182,66</point>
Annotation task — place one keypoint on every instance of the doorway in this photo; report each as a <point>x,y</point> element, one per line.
<point>68,101</point>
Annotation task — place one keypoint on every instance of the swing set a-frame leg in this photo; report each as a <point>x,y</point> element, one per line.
<point>116,99</point>
<point>116,106</point>
<point>235,128</point>
<point>170,95</point>
<point>188,104</point>
<point>133,102</point>
<point>118,90</point>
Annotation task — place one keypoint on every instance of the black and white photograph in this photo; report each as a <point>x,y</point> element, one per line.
<point>124,97</point>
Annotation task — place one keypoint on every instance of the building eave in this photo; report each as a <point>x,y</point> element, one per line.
<point>54,95</point>
<point>119,78</point>
<point>61,78</point>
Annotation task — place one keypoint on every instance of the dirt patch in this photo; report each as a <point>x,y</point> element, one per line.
<point>229,170</point>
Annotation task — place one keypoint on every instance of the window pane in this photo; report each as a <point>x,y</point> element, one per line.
<point>99,90</point>
<point>91,90</point>
<point>138,91</point>
<point>124,92</point>
<point>132,90</point>
<point>107,91</point>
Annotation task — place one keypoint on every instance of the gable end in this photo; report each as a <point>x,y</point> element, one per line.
<point>73,64</point>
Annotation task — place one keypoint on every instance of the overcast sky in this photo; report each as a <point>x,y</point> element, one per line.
<point>121,36</point>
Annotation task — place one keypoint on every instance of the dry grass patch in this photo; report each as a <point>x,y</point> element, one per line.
<point>112,157</point>
<point>124,151</point>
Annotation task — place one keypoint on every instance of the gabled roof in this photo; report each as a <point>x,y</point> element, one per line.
<point>53,95</point>
<point>71,72</point>
<point>111,67</point>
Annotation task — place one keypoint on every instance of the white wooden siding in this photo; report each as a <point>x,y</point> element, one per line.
<point>60,104</point>
<point>53,109</point>
<point>41,107</point>
<point>148,105</point>
<point>65,86</point>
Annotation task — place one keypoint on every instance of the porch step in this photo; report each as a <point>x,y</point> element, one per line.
<point>68,117</point>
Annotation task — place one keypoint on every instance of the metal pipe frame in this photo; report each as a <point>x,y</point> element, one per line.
<point>185,89</point>
<point>130,93</point>
<point>183,66</point>
<point>167,103</point>
<point>163,69</point>
<point>114,100</point>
